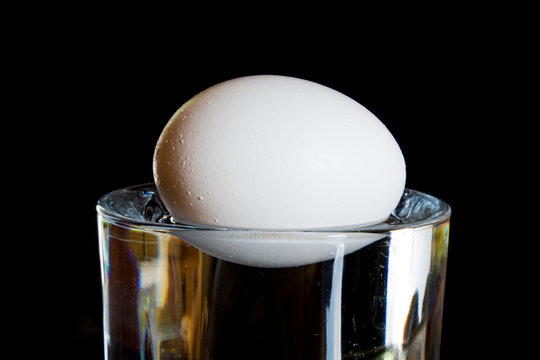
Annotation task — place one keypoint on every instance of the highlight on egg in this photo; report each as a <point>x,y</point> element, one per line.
<point>277,152</point>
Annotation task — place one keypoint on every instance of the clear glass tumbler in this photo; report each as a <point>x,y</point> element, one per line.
<point>377,294</point>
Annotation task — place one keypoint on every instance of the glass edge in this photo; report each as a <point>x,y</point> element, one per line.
<point>441,216</point>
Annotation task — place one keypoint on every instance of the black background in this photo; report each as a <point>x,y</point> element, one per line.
<point>96,97</point>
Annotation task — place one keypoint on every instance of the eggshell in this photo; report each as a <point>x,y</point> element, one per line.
<point>275,249</point>
<point>276,152</point>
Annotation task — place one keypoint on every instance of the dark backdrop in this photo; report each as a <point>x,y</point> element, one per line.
<point>102,101</point>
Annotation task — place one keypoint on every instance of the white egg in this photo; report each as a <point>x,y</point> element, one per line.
<point>276,152</point>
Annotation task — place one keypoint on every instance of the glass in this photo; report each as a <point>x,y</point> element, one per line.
<point>378,294</point>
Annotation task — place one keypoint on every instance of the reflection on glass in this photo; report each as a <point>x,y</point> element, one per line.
<point>165,299</point>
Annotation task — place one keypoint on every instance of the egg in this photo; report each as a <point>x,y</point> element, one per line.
<point>277,152</point>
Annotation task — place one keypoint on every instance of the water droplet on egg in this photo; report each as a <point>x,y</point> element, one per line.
<point>200,198</point>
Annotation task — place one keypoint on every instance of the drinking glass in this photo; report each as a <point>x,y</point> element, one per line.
<point>371,292</point>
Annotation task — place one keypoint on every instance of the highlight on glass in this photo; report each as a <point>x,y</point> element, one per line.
<point>371,292</point>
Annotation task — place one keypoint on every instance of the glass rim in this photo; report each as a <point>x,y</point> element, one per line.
<point>441,215</point>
